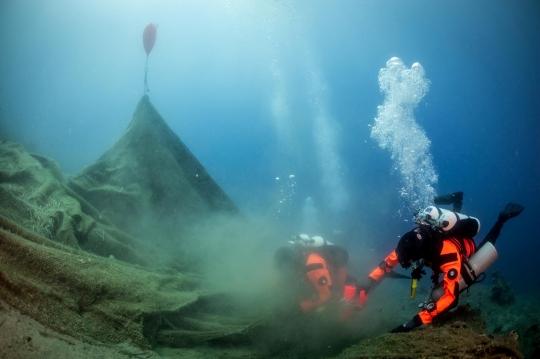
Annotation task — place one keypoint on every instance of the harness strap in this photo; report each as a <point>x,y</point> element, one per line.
<point>314,266</point>
<point>466,276</point>
<point>467,271</point>
<point>445,258</point>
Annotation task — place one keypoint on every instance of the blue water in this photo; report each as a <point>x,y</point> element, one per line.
<point>290,90</point>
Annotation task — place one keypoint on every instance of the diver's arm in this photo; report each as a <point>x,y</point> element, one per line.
<point>384,267</point>
<point>376,276</point>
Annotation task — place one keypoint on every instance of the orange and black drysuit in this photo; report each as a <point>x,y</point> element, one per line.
<point>448,261</point>
<point>327,279</point>
<point>442,241</point>
<point>314,276</point>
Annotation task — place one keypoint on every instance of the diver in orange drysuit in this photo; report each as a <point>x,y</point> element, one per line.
<point>444,250</point>
<point>315,269</point>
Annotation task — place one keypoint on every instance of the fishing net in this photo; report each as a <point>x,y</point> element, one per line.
<point>150,176</point>
<point>33,195</point>
<point>83,256</point>
<point>105,300</point>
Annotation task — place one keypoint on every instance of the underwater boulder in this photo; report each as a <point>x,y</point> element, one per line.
<point>150,181</point>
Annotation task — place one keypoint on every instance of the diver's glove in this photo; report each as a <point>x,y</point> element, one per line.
<point>366,284</point>
<point>407,327</point>
<point>363,289</point>
<point>512,210</point>
<point>418,273</point>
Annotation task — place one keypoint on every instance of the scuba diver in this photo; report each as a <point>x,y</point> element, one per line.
<point>313,272</point>
<point>310,315</point>
<point>443,241</point>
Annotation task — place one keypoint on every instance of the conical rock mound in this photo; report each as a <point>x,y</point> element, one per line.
<point>149,177</point>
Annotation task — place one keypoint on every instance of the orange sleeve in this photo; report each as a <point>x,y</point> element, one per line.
<point>319,277</point>
<point>451,268</point>
<point>386,266</point>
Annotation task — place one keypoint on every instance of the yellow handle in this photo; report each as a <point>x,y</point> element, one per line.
<point>414,285</point>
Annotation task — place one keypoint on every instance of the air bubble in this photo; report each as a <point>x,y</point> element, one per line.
<point>397,130</point>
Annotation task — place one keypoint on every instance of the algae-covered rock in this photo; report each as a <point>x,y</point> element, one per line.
<point>459,334</point>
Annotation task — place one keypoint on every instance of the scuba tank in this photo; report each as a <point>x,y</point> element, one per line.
<point>471,270</point>
<point>452,224</point>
